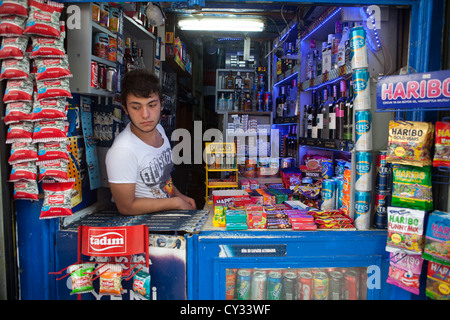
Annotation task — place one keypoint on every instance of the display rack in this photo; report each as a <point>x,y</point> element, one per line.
<point>220,158</point>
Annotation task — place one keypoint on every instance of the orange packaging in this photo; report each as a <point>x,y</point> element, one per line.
<point>111,279</point>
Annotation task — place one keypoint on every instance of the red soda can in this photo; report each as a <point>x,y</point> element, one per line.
<point>94,74</point>
<point>102,76</point>
<point>266,101</point>
<point>363,285</point>
<point>305,286</point>
<point>351,285</point>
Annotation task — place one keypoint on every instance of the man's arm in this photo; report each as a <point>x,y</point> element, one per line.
<point>128,204</point>
<point>177,193</point>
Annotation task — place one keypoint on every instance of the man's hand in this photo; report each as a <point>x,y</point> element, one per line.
<point>184,203</point>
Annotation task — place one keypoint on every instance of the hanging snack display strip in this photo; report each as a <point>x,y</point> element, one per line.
<point>35,66</point>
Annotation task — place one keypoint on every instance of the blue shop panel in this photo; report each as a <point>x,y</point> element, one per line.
<point>218,256</point>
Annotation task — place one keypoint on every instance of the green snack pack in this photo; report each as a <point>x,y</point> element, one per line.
<point>411,187</point>
<point>81,278</point>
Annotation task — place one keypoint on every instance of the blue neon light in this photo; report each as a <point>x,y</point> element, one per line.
<point>324,84</point>
<point>324,22</point>
<point>286,79</point>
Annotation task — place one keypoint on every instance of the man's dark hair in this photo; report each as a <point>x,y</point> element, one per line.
<point>142,83</point>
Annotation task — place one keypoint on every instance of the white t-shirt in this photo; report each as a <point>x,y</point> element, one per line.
<point>130,160</point>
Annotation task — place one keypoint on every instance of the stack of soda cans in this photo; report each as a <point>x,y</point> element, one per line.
<point>383,185</point>
<point>363,128</point>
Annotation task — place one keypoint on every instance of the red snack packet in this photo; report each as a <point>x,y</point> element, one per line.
<point>43,18</point>
<point>12,26</point>
<point>13,47</point>
<point>52,68</point>
<point>44,47</point>
<point>25,171</point>
<point>17,112</point>
<point>20,132</point>
<point>57,200</point>
<point>18,90</point>
<point>53,89</point>
<point>49,130</point>
<point>14,7</point>
<point>15,69</point>
<point>53,170</point>
<point>442,145</point>
<point>53,151</point>
<point>25,190</point>
<point>23,152</point>
<point>52,109</point>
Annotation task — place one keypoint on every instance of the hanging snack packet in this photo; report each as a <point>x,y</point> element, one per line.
<point>81,275</point>
<point>52,68</point>
<point>411,187</point>
<point>111,279</point>
<point>24,171</point>
<point>405,270</point>
<point>56,170</point>
<point>25,190</point>
<point>17,112</point>
<point>437,238</point>
<point>14,7</point>
<point>15,69</point>
<point>43,18</point>
<point>405,230</point>
<point>23,152</point>
<point>13,47</point>
<point>12,26</point>
<point>141,284</point>
<point>442,145</point>
<point>51,109</point>
<point>410,143</point>
<point>43,47</point>
<point>53,89</point>
<point>20,132</point>
<point>438,281</point>
<point>53,151</point>
<point>57,200</point>
<point>19,90</point>
<point>49,130</point>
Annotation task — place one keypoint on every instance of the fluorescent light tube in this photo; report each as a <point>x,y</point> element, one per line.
<point>221,24</point>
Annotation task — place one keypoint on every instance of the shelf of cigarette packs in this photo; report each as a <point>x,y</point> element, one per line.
<point>35,68</point>
<point>296,283</point>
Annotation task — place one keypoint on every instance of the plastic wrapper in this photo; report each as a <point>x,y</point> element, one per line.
<point>19,90</point>
<point>405,270</point>
<point>51,109</point>
<point>56,170</point>
<point>24,171</point>
<point>12,26</point>
<point>44,47</point>
<point>410,142</point>
<point>81,275</point>
<point>15,69</point>
<point>141,284</point>
<point>43,18</point>
<point>57,200</point>
<point>49,130</point>
<point>14,7</point>
<point>442,145</point>
<point>17,112</point>
<point>438,281</point>
<point>23,152</point>
<point>411,187</point>
<point>437,238</point>
<point>20,132</point>
<point>52,68</point>
<point>13,47</point>
<point>53,89</point>
<point>25,190</point>
<point>49,152</point>
<point>111,279</point>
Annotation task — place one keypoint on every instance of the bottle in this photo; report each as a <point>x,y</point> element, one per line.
<point>127,57</point>
<point>140,61</point>
<point>314,121</point>
<point>230,81</point>
<point>320,116</point>
<point>332,115</point>
<point>304,132</point>
<point>348,114</point>
<point>339,110</point>
<point>279,102</point>
<point>318,63</point>
<point>221,103</point>
<point>287,104</point>
<point>230,102</point>
<point>310,59</point>
<point>238,80</point>
<point>326,115</point>
<point>342,47</point>
<point>237,95</point>
<point>247,82</point>
<point>248,103</point>
<point>309,122</point>
<point>224,80</point>
<point>242,100</point>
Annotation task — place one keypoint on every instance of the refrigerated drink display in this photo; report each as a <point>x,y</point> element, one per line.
<point>296,283</point>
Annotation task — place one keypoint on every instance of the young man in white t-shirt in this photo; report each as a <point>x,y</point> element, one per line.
<point>139,163</point>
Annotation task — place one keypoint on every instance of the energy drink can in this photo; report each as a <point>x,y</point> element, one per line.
<point>328,194</point>
<point>259,280</point>
<point>363,206</point>
<point>363,179</point>
<point>274,286</point>
<point>358,48</point>
<point>361,89</point>
<point>243,285</point>
<point>363,129</point>
<point>383,173</point>
<point>380,204</point>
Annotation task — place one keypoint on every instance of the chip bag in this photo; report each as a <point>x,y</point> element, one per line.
<point>14,7</point>
<point>141,284</point>
<point>23,152</point>
<point>43,18</point>
<point>17,112</point>
<point>81,275</point>
<point>410,143</point>
<point>411,187</point>
<point>13,47</point>
<point>15,69</point>
<point>111,279</point>
<point>57,200</point>
<point>25,190</point>
<point>24,171</point>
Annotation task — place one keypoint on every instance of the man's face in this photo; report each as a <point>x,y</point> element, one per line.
<point>144,113</point>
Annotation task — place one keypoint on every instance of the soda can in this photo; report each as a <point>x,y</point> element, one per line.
<point>383,172</point>
<point>102,76</point>
<point>320,286</point>
<point>351,285</point>
<point>304,286</point>
<point>274,286</point>
<point>243,285</point>
<point>345,203</point>
<point>336,285</point>
<point>339,192</point>
<point>266,106</point>
<point>258,291</point>
<point>327,168</point>
<point>363,179</point>
<point>380,204</point>
<point>361,89</point>
<point>289,281</point>
<point>110,79</point>
<point>363,205</point>
<point>328,194</point>
<point>363,284</point>
<point>358,48</point>
<point>230,284</point>
<point>347,180</point>
<point>94,74</point>
<point>363,129</point>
